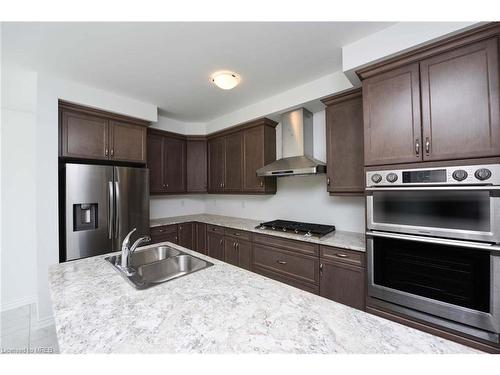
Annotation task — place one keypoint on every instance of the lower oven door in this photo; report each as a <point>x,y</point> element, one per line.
<point>465,212</point>
<point>455,280</point>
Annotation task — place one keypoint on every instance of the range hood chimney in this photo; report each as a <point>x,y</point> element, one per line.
<point>297,157</point>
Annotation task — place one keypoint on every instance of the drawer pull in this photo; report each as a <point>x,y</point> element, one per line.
<point>281,262</point>
<point>162,230</point>
<point>236,234</point>
<point>341,255</point>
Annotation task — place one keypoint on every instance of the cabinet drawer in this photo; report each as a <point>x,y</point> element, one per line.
<point>286,244</point>
<point>297,266</point>
<point>215,229</point>
<point>311,288</point>
<point>239,234</point>
<point>164,237</point>
<point>163,229</point>
<point>356,258</point>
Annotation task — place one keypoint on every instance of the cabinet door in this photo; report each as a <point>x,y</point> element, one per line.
<point>196,166</point>
<point>201,238</point>
<point>391,108</point>
<point>230,251</point>
<point>84,136</point>
<point>156,163</point>
<point>216,164</point>
<point>244,254</point>
<point>186,235</point>
<point>215,246</point>
<point>343,283</point>
<point>175,165</point>
<point>127,142</point>
<point>234,162</point>
<point>344,146</point>
<point>253,159</point>
<point>460,110</point>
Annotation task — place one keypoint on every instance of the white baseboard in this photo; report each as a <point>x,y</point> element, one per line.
<point>19,302</point>
<point>42,323</point>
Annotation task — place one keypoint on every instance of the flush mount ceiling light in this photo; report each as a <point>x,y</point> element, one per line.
<point>225,80</point>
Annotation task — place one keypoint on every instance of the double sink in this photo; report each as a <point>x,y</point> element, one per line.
<point>156,265</point>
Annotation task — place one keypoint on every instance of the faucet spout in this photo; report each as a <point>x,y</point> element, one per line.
<point>127,251</point>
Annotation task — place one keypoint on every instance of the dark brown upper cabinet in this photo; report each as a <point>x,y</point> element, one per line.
<point>87,133</point>
<point>216,164</point>
<point>391,109</point>
<point>175,164</point>
<point>460,110</point>
<point>196,166</point>
<point>166,162</point>
<point>439,102</point>
<point>235,155</point>
<point>234,162</point>
<point>259,149</point>
<point>344,143</point>
<point>128,142</point>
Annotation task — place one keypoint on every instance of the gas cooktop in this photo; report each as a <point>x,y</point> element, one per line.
<point>307,229</point>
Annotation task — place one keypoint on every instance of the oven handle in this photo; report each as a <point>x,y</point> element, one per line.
<point>434,240</point>
<point>417,188</point>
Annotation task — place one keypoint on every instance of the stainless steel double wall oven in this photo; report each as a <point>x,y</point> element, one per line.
<point>433,245</point>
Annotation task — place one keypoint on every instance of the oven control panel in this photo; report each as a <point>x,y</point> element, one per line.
<point>487,174</point>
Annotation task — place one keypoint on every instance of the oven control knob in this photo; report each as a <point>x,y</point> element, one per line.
<point>376,178</point>
<point>459,175</point>
<point>483,174</point>
<point>392,177</point>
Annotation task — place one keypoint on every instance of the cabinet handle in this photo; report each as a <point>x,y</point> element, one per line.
<point>427,145</point>
<point>261,184</point>
<point>280,262</point>
<point>112,151</point>
<point>234,245</point>
<point>166,185</point>
<point>221,242</point>
<point>341,255</point>
<point>328,181</point>
<point>236,234</point>
<point>417,146</point>
<point>106,152</point>
<point>321,269</point>
<point>162,230</point>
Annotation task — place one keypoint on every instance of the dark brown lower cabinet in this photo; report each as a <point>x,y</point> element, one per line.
<point>343,276</point>
<point>215,245</point>
<point>237,252</point>
<point>164,233</point>
<point>200,236</point>
<point>186,235</point>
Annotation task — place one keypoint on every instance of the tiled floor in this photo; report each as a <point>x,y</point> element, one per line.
<point>20,335</point>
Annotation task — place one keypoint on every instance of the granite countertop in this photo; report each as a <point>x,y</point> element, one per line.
<point>346,240</point>
<point>221,309</point>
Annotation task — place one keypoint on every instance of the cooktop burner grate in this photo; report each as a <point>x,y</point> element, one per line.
<point>308,229</point>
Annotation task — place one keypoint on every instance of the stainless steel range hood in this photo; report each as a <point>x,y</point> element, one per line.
<point>297,136</point>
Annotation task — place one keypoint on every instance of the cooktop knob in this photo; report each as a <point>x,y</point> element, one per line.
<point>376,178</point>
<point>392,177</point>
<point>459,175</point>
<point>483,174</point>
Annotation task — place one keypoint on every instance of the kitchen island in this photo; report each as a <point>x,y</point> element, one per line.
<point>221,309</point>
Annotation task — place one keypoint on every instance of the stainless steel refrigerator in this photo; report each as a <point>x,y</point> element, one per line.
<point>102,204</point>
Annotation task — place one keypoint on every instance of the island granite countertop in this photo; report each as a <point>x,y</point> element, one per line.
<point>221,309</point>
<point>343,239</point>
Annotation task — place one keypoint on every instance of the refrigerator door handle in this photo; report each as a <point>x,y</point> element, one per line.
<point>117,208</point>
<point>111,213</point>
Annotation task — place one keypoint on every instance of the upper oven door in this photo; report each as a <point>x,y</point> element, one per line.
<point>465,212</point>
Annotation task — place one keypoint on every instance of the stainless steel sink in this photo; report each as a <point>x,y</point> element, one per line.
<point>157,265</point>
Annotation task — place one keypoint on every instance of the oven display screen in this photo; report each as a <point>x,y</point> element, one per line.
<point>435,175</point>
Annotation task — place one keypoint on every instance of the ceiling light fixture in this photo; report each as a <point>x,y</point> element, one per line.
<point>225,80</point>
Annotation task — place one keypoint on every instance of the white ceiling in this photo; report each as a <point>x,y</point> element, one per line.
<point>169,64</point>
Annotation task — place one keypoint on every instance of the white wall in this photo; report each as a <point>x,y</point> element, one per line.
<point>181,127</point>
<point>393,40</point>
<point>18,195</point>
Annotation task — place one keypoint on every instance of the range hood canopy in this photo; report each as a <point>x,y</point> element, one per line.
<point>297,137</point>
